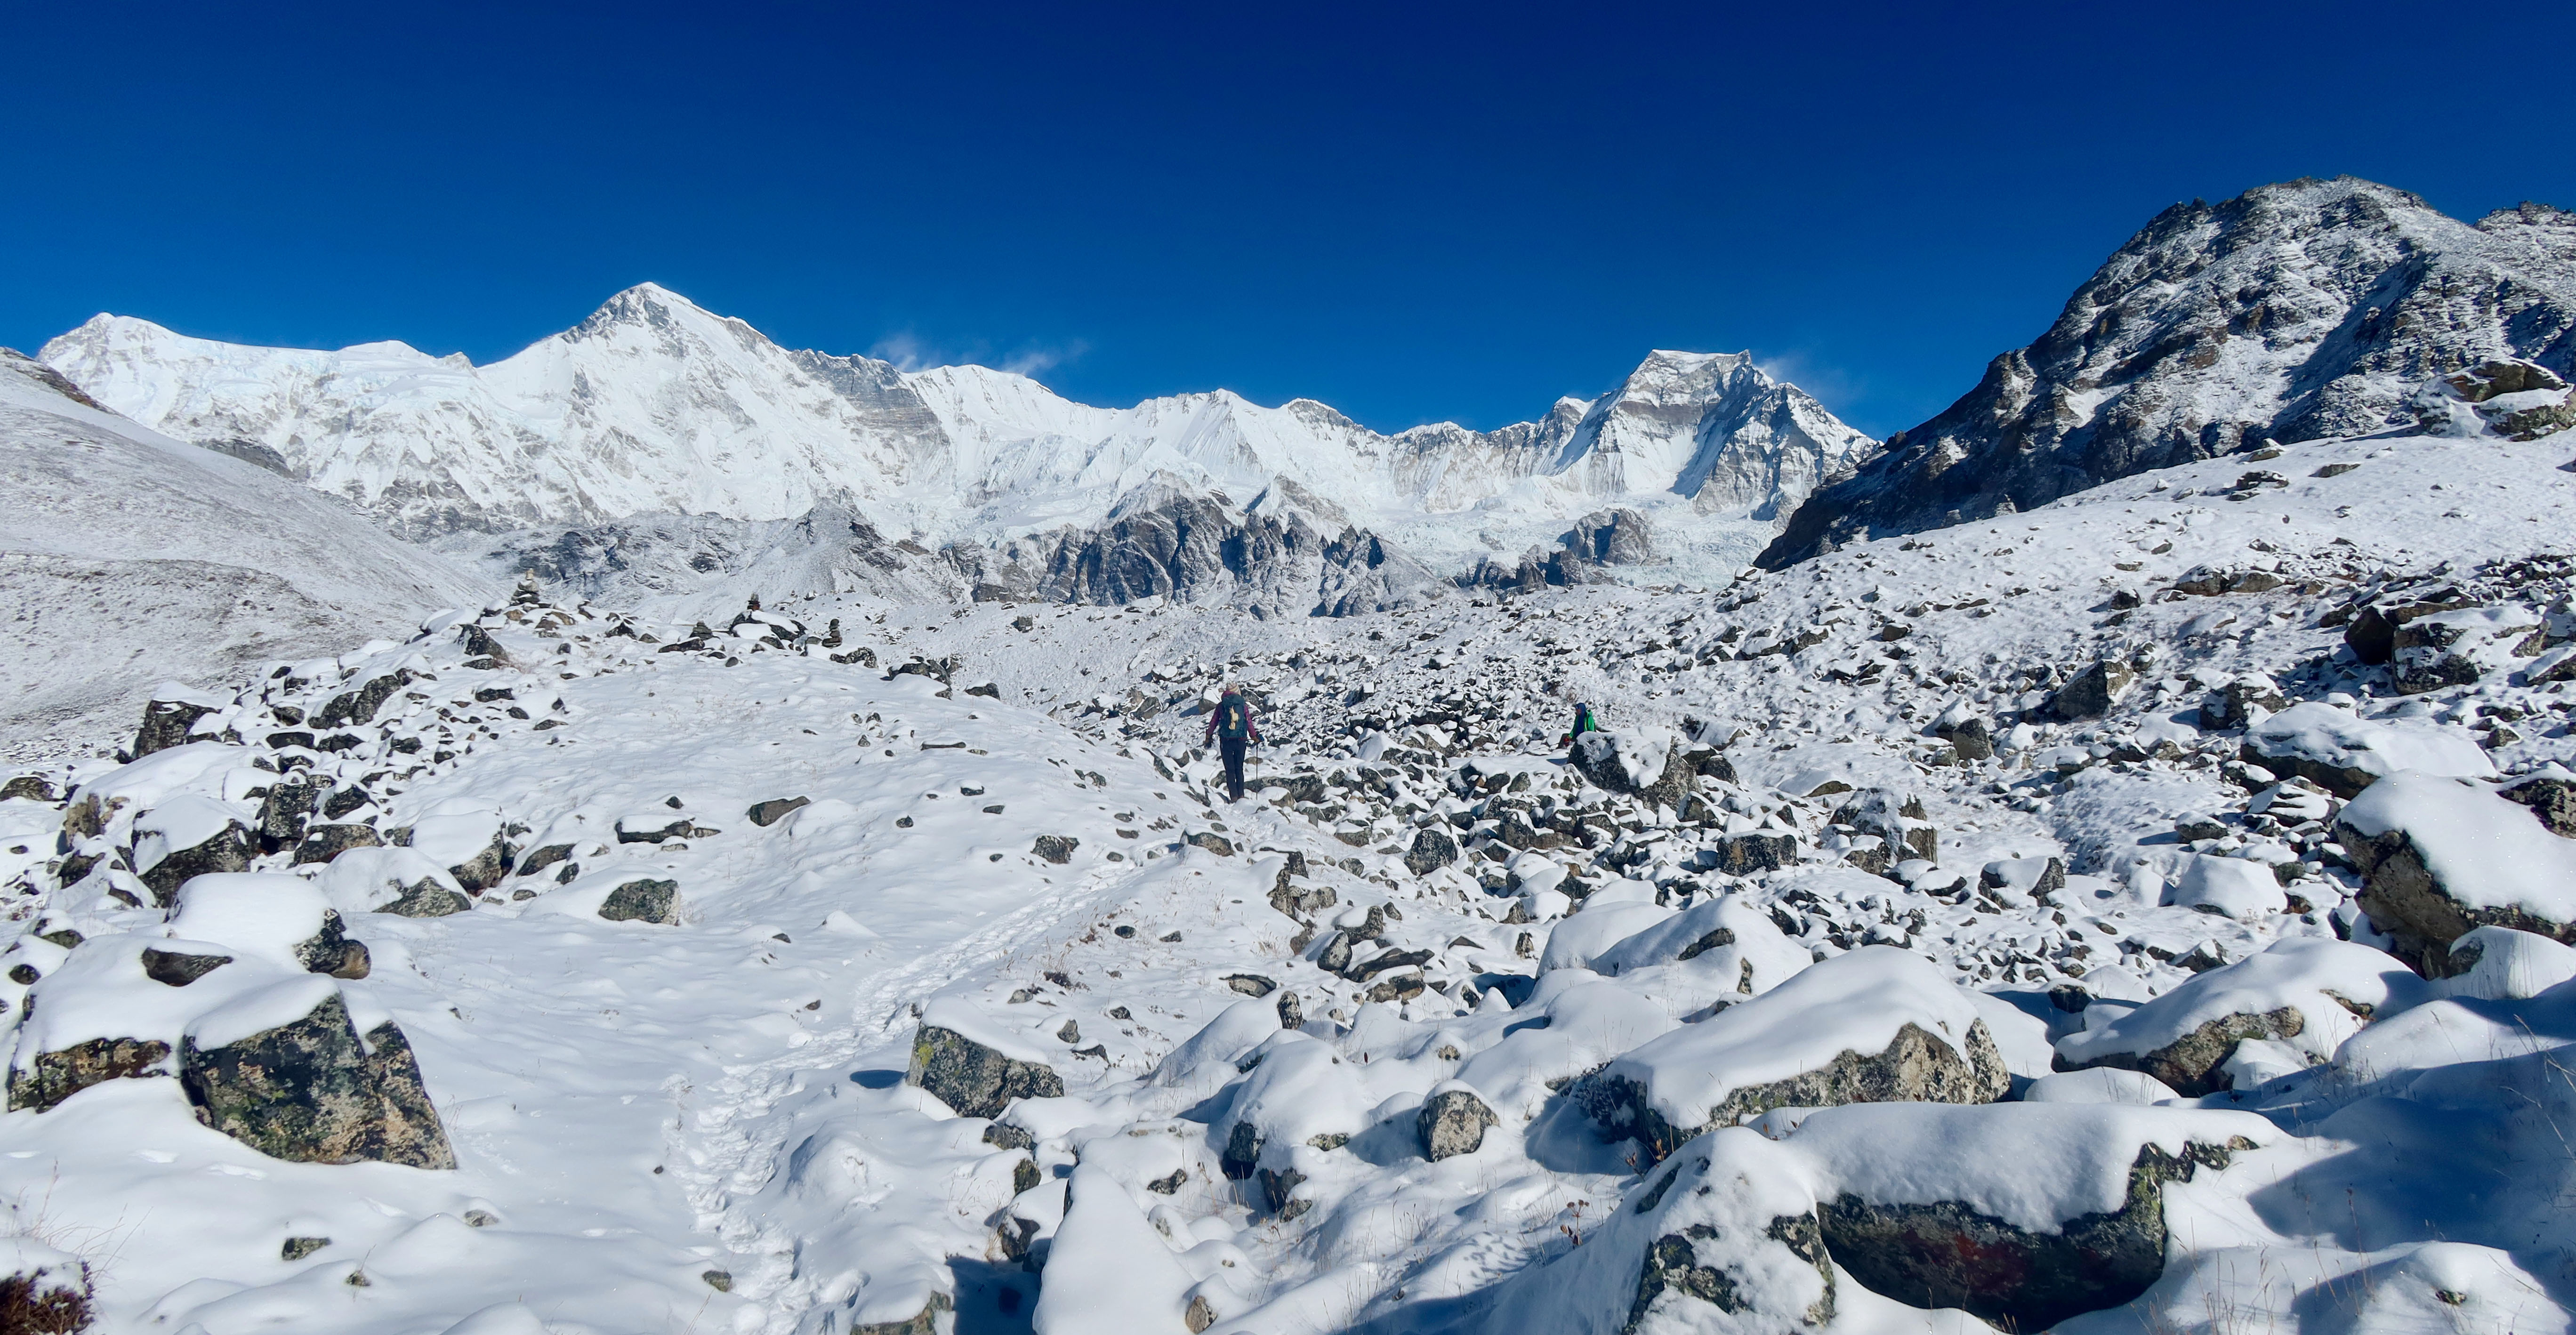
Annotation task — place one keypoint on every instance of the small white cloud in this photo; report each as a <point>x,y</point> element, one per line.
<point>1826,384</point>
<point>1036,359</point>
<point>909,351</point>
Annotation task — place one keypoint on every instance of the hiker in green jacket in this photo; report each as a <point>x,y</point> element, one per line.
<point>1583,722</point>
<point>1230,726</point>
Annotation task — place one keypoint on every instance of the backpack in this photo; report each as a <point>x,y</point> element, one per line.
<point>1584,722</point>
<point>1233,719</point>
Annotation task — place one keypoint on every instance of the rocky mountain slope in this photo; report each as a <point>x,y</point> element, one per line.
<point>653,406</point>
<point>2291,312</point>
<point>134,559</point>
<point>2153,912</point>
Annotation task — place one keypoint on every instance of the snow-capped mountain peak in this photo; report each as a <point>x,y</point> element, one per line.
<point>653,404</point>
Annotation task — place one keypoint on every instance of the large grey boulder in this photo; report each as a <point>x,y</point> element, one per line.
<point>1754,851</point>
<point>643,901</point>
<point>1056,848</point>
<point>2439,858</point>
<point>1453,1122</point>
<point>765,814</point>
<point>312,1092</point>
<point>168,716</point>
<point>1945,1230</point>
<point>2091,693</point>
<point>426,898</point>
<point>973,1079</point>
<point>284,812</point>
<point>2344,754</point>
<point>228,849</point>
<point>321,843</point>
<point>360,705</point>
<point>1432,849</point>
<point>1968,736</point>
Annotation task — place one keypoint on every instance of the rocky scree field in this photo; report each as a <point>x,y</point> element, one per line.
<point>2149,912</point>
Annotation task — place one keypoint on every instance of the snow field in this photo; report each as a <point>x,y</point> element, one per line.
<point>704,1123</point>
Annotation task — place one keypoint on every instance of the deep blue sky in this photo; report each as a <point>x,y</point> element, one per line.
<point>1412,213</point>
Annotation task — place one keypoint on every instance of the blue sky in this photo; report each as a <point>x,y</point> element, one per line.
<point>1409,212</point>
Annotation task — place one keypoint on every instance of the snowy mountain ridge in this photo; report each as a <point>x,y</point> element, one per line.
<point>2297,311</point>
<point>654,405</point>
<point>142,559</point>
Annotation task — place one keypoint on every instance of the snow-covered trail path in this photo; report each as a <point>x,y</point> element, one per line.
<point>733,1135</point>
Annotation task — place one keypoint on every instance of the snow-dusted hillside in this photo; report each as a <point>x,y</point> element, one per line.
<point>132,559</point>
<point>2038,923</point>
<point>655,406</point>
<point>2295,311</point>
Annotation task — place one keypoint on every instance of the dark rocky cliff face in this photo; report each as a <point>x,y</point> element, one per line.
<point>1582,555</point>
<point>2291,312</point>
<point>1273,559</point>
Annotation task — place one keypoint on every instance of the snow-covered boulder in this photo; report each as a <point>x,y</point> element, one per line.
<point>2460,648</point>
<point>2439,858</point>
<point>974,1066</point>
<point>2023,880</point>
<point>2307,993</point>
<point>1726,938</point>
<point>1873,1025</point>
<point>2344,753</point>
<point>1109,1271</point>
<point>284,919</point>
<point>1645,764</point>
<point>186,836</point>
<point>2501,964</point>
<point>173,709</point>
<point>1581,939</point>
<point>2024,1214</point>
<point>1452,1122</point>
<point>1969,735</point>
<point>233,1004</point>
<point>322,843</point>
<point>1206,1061</point>
<point>2551,795</point>
<point>1572,1022</point>
<point>284,1071</point>
<point>2502,396</point>
<point>1723,1237</point>
<point>1896,818</point>
<point>359,705</point>
<point>469,839</point>
<point>2098,1084</point>
<point>1300,1095</point>
<point>2091,693</point>
<point>2236,888</point>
